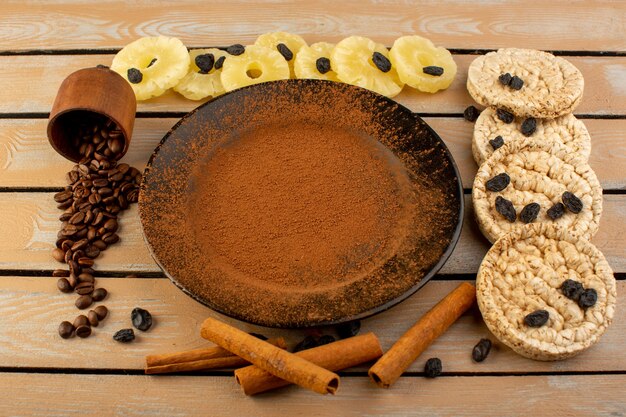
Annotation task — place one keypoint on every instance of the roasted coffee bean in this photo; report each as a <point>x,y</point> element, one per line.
<point>72,177</point>
<point>588,298</point>
<point>84,288</point>
<point>85,262</point>
<point>66,245</point>
<point>381,62</point>
<point>537,318</point>
<point>105,191</point>
<point>220,62</point>
<point>118,176</point>
<point>516,83</point>
<point>110,238</point>
<point>95,198</point>
<point>66,330</point>
<point>205,63</point>
<point>80,320</point>
<point>307,343</point>
<point>505,78</point>
<point>530,212</point>
<point>497,142</point>
<point>58,255</point>
<point>65,204</point>
<point>92,234</point>
<point>81,244</point>
<point>323,65</point>
<point>481,350</point>
<point>236,49</point>
<point>85,277</point>
<point>471,113</point>
<point>83,302</point>
<point>99,294</point>
<point>556,211</point>
<point>124,335</point>
<point>83,331</point>
<point>92,250</point>
<point>61,273</point>
<point>134,75</point>
<point>98,244</point>
<point>100,182</point>
<point>506,209</point>
<point>505,116</point>
<point>64,285</point>
<point>529,126</point>
<point>498,183</point>
<point>77,218</point>
<point>101,312</point>
<point>73,280</point>
<point>348,329</point>
<point>433,368</point>
<point>433,70</point>
<point>62,196</point>
<point>111,225</point>
<point>285,51</point>
<point>141,319</point>
<point>99,218</point>
<point>325,339</point>
<point>74,267</point>
<point>92,316</point>
<point>571,202</point>
<point>88,270</point>
<point>572,289</point>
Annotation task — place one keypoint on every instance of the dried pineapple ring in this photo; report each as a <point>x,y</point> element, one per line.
<point>197,84</point>
<point>411,54</point>
<point>257,64</point>
<point>158,63</point>
<point>352,61</point>
<point>293,43</point>
<point>310,62</point>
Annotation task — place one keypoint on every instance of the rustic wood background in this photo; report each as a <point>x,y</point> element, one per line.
<point>40,374</point>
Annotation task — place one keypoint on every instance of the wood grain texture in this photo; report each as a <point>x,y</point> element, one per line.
<point>34,81</point>
<point>31,219</point>
<point>27,160</point>
<point>588,25</point>
<point>170,396</point>
<point>31,309</point>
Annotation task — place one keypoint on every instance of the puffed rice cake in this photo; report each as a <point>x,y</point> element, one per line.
<point>523,272</point>
<point>552,85</point>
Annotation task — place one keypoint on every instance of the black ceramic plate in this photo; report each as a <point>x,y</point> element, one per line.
<point>392,188</point>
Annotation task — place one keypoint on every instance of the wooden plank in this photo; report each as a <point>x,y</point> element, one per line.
<point>34,80</point>
<point>28,161</point>
<point>588,25</point>
<point>125,395</point>
<point>31,219</point>
<point>34,308</point>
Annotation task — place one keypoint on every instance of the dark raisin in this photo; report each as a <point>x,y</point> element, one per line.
<point>572,289</point>
<point>325,339</point>
<point>220,62</point>
<point>142,319</point>
<point>496,142</point>
<point>530,212</point>
<point>349,329</point>
<point>381,62</point>
<point>505,208</point>
<point>285,51</point>
<point>205,62</point>
<point>323,65</point>
<point>152,62</point>
<point>571,202</point>
<point>505,78</point>
<point>258,336</point>
<point>124,335</point>
<point>471,113</point>
<point>556,211</point>
<point>481,350</point>
<point>134,75</point>
<point>306,343</point>
<point>433,367</point>
<point>433,70</point>
<point>537,318</point>
<point>236,49</point>
<point>528,126</point>
<point>516,83</point>
<point>505,116</point>
<point>588,298</point>
<point>499,182</point>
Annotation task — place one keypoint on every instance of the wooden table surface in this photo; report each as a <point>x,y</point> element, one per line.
<point>41,374</point>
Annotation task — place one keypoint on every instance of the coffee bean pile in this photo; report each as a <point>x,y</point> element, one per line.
<point>98,190</point>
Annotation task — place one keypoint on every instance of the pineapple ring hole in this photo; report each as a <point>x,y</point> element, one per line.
<point>254,70</point>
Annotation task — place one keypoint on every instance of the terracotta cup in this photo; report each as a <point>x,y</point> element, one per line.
<point>90,91</point>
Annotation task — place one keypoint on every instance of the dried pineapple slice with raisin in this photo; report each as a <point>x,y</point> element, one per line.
<point>257,64</point>
<point>314,62</point>
<point>204,77</point>
<point>422,65</point>
<point>288,44</point>
<point>361,61</point>
<point>152,65</point>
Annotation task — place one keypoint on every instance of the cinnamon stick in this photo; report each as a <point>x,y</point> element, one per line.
<point>231,361</point>
<point>434,323</point>
<point>333,356</point>
<point>270,358</point>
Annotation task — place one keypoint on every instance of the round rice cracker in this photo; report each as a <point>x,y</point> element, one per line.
<point>540,171</point>
<point>523,272</point>
<point>552,85</point>
<point>567,130</point>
